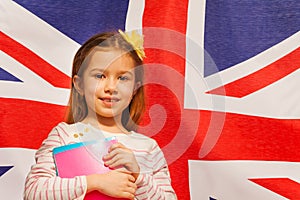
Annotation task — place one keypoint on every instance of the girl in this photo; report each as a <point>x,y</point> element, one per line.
<point>108,95</point>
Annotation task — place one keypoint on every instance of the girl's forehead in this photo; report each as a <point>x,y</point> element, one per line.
<point>112,58</point>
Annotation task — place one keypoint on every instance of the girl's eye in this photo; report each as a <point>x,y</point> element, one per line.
<point>99,76</point>
<point>124,78</point>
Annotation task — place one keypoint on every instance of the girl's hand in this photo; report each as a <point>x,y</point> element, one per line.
<point>120,156</point>
<point>116,183</point>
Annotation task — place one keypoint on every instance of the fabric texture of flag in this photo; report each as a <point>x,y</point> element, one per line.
<point>222,87</point>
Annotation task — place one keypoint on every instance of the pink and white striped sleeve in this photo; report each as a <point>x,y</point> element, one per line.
<point>155,183</point>
<point>42,182</point>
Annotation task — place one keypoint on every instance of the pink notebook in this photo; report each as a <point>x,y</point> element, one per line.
<point>83,158</point>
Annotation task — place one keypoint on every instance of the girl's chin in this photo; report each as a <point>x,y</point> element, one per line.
<point>109,114</point>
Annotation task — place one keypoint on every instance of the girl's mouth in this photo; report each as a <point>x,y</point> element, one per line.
<point>109,101</point>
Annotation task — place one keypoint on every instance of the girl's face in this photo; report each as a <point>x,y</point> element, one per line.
<point>108,83</point>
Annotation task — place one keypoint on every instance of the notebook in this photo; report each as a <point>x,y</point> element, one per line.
<point>83,158</point>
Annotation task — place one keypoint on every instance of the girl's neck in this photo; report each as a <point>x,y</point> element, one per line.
<point>106,125</point>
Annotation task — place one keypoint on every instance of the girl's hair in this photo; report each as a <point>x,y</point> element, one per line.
<point>77,111</point>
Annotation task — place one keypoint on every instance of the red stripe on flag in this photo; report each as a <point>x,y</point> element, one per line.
<point>257,138</point>
<point>262,77</point>
<point>282,186</point>
<point>166,14</point>
<point>25,124</point>
<point>170,17</point>
<point>33,62</point>
<point>242,138</point>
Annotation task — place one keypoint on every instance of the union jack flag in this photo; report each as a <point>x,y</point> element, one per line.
<point>222,83</point>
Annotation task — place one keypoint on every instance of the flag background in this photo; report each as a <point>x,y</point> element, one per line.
<point>222,85</point>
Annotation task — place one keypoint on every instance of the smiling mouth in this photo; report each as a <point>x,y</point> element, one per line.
<point>110,100</point>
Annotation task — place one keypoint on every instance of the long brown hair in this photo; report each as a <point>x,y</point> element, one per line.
<point>77,111</point>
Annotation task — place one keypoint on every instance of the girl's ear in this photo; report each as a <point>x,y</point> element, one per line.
<point>136,87</point>
<point>78,84</point>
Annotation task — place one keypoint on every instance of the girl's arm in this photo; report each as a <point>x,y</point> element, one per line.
<point>42,182</point>
<point>155,183</point>
<point>151,172</point>
<point>116,183</point>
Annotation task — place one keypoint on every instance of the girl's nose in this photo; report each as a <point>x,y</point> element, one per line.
<point>110,86</point>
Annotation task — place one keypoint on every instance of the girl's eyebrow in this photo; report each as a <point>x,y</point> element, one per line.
<point>119,72</point>
<point>97,69</point>
<point>126,72</point>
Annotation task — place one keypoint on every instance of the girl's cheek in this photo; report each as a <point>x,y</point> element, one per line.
<point>126,88</point>
<point>93,86</point>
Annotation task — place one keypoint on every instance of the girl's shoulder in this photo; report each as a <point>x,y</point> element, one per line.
<point>65,128</point>
<point>68,133</point>
<point>74,127</point>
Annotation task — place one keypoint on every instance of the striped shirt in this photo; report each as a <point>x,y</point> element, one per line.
<point>42,183</point>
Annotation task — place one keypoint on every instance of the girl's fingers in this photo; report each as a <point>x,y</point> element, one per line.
<point>115,146</point>
<point>128,195</point>
<point>132,185</point>
<point>120,156</point>
<point>131,189</point>
<point>111,154</point>
<point>116,150</point>
<point>114,162</point>
<point>124,170</point>
<point>131,179</point>
<point>117,154</point>
<point>111,157</point>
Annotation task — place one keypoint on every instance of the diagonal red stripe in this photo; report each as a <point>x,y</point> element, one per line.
<point>282,186</point>
<point>33,62</point>
<point>262,77</point>
<point>25,123</point>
